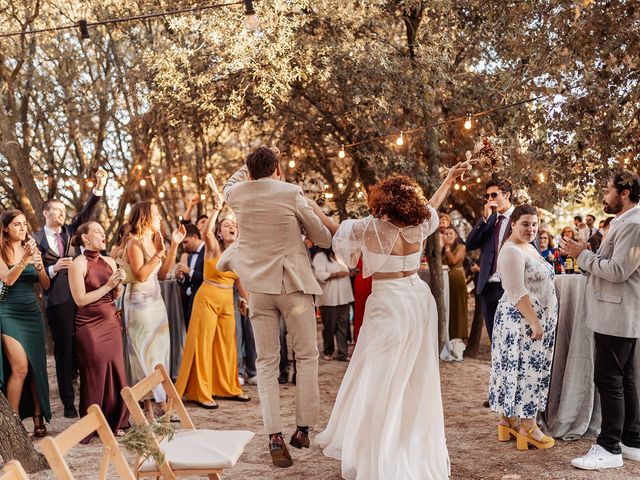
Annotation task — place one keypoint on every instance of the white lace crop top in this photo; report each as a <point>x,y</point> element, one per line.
<point>399,263</point>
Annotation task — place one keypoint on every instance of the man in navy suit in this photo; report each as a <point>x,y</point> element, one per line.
<point>190,275</point>
<point>488,235</point>
<point>54,242</point>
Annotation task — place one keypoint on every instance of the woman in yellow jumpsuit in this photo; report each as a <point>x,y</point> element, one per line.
<point>209,365</point>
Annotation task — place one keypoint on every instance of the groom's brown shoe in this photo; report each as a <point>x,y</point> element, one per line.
<point>299,439</point>
<point>279,453</point>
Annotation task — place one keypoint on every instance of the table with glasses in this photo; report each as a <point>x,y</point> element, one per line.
<point>171,295</point>
<point>573,407</point>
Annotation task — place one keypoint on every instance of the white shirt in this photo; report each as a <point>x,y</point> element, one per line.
<point>617,219</point>
<point>503,230</point>
<point>335,291</point>
<point>192,264</point>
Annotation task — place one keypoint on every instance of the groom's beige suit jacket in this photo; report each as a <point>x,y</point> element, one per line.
<point>612,296</point>
<point>269,254</point>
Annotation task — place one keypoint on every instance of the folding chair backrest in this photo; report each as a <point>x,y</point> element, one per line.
<point>55,448</point>
<point>159,376</point>
<point>13,470</point>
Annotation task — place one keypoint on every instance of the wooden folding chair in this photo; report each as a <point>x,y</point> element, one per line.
<point>190,451</point>
<point>55,448</point>
<point>12,470</point>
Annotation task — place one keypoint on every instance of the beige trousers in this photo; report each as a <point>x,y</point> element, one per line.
<point>298,312</point>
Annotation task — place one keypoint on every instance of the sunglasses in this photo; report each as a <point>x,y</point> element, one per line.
<point>493,195</point>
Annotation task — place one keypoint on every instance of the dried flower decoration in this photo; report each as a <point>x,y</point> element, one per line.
<point>486,154</point>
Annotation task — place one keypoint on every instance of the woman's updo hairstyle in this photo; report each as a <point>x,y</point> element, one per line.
<point>397,197</point>
<point>83,229</point>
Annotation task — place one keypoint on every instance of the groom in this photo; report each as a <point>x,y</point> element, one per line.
<point>271,259</point>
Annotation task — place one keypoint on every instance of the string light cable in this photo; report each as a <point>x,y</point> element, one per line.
<point>84,25</point>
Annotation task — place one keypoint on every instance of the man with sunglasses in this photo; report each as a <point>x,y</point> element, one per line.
<point>488,235</point>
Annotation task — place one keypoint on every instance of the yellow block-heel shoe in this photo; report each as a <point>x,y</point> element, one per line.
<point>523,441</point>
<point>507,433</point>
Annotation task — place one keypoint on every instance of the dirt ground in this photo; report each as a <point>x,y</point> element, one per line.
<point>471,435</point>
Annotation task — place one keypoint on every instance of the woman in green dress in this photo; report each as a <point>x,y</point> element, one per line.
<point>453,253</point>
<point>23,365</point>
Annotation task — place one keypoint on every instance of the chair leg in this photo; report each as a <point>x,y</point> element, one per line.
<point>214,476</point>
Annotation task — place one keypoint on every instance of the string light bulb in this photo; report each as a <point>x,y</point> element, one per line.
<point>90,183</point>
<point>357,184</point>
<point>341,185</point>
<point>143,182</point>
<point>478,180</point>
<point>174,180</point>
<point>456,186</point>
<point>251,19</point>
<point>541,177</point>
<point>292,164</point>
<point>360,194</point>
<point>185,178</point>
<point>400,139</point>
<point>467,123</point>
<point>342,153</point>
<point>159,170</point>
<point>161,194</point>
<point>464,188</point>
<point>139,167</point>
<point>203,197</point>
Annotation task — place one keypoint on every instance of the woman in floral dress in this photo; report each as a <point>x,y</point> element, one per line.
<point>523,335</point>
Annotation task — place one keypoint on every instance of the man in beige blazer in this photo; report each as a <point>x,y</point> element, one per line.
<point>612,303</point>
<point>271,259</point>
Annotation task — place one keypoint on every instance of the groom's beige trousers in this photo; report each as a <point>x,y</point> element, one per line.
<point>297,310</point>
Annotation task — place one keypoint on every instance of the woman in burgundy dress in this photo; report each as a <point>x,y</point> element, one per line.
<point>94,280</point>
<point>361,291</point>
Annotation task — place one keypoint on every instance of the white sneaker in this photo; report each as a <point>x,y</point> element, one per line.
<point>598,459</point>
<point>252,380</point>
<point>241,379</point>
<point>630,453</point>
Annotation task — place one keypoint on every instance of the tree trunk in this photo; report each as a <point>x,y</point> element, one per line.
<point>15,442</point>
<point>476,330</point>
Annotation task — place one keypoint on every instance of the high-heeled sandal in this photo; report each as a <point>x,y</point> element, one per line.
<point>507,433</point>
<point>39,430</point>
<point>523,441</point>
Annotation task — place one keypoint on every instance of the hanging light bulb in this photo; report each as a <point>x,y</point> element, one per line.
<point>342,153</point>
<point>478,180</point>
<point>357,184</point>
<point>139,167</point>
<point>360,194</point>
<point>541,177</point>
<point>464,188</point>
<point>326,187</point>
<point>143,182</point>
<point>185,178</point>
<point>174,180</point>
<point>341,185</point>
<point>161,194</point>
<point>467,123</point>
<point>456,186</point>
<point>90,183</point>
<point>203,197</point>
<point>159,170</point>
<point>251,19</point>
<point>400,139</point>
<point>292,164</point>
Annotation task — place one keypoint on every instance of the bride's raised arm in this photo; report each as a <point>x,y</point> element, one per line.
<point>441,193</point>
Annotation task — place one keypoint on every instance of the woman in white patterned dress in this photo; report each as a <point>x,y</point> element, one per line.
<point>523,335</point>
<point>387,421</point>
<point>146,315</point>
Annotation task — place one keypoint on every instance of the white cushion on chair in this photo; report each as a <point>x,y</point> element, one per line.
<point>202,449</point>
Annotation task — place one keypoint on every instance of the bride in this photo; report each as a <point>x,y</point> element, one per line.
<point>387,421</point>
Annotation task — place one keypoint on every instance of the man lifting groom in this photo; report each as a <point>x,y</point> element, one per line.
<point>271,259</point>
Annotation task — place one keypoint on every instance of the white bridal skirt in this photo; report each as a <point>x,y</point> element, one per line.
<point>387,421</point>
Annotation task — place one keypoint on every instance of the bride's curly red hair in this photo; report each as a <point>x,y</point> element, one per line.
<point>397,197</point>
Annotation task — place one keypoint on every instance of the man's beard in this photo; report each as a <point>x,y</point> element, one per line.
<point>613,208</point>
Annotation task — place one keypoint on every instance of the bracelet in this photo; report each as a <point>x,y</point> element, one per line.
<point>158,256</point>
